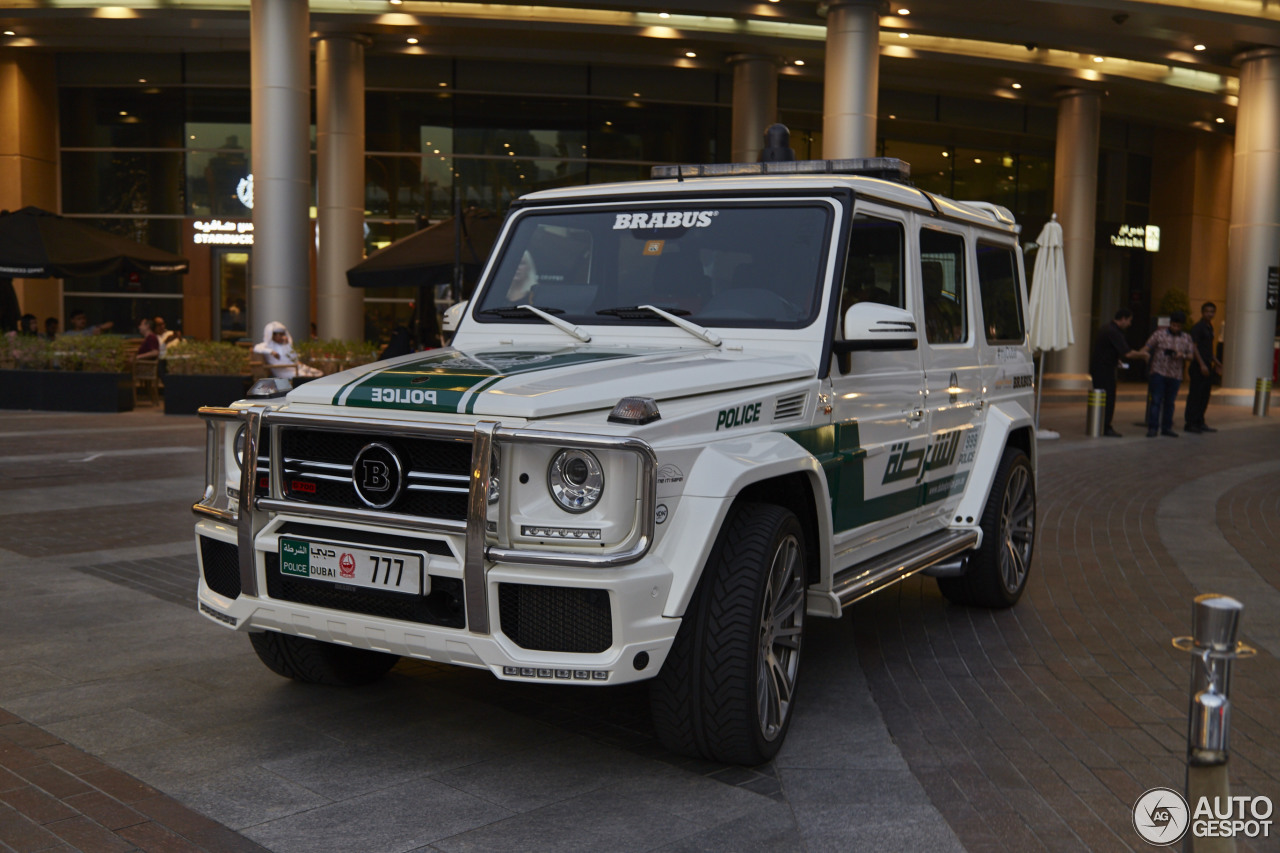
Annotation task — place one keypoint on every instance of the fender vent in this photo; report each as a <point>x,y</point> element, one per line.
<point>789,407</point>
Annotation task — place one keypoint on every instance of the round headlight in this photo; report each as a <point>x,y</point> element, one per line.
<point>576,480</point>
<point>237,445</point>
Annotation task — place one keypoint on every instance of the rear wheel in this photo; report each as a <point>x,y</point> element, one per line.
<point>315,662</point>
<point>998,570</point>
<point>727,688</point>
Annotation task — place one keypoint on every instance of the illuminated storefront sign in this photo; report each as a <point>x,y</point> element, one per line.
<point>1137,237</point>
<point>217,232</point>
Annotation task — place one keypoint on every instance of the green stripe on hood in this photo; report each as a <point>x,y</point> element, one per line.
<point>442,382</point>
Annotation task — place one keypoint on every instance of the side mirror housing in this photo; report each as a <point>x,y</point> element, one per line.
<point>873,326</point>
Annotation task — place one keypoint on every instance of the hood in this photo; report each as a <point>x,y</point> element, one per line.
<point>536,383</point>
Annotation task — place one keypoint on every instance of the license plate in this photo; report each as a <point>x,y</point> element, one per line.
<point>373,568</point>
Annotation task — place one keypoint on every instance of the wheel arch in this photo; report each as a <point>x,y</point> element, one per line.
<point>767,468</point>
<point>1008,424</point>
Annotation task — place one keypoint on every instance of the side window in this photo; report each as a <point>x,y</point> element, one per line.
<point>943,285</point>
<point>873,271</point>
<point>1001,300</point>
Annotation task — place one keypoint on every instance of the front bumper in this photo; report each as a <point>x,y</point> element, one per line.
<point>574,618</point>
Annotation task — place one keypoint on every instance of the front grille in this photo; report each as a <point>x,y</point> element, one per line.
<point>443,606</point>
<point>221,563</point>
<point>317,470</point>
<point>556,618</point>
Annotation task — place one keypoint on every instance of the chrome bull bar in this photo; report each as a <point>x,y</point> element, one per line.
<point>251,515</point>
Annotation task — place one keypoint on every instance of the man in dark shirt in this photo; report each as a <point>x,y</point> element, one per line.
<point>1201,373</point>
<point>1109,348</point>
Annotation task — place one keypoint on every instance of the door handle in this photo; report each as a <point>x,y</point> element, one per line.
<point>915,415</point>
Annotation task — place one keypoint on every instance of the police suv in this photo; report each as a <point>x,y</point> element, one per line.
<point>679,419</point>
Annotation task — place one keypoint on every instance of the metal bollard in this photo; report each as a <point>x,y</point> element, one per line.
<point>1215,621</point>
<point>1096,413</point>
<point>1261,396</point>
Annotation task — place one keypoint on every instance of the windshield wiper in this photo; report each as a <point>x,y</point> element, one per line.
<point>671,317</point>
<point>516,311</point>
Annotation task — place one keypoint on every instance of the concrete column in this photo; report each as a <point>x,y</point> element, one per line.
<point>280,269</point>
<point>1075,200</point>
<point>851,83</point>
<point>29,157</point>
<point>1253,246</point>
<point>755,104</point>
<point>340,167</point>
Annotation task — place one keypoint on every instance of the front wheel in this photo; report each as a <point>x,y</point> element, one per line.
<point>998,570</point>
<point>727,688</point>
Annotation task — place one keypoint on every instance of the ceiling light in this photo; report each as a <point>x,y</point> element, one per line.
<point>124,112</point>
<point>946,153</point>
<point>691,54</point>
<point>411,40</point>
<point>142,79</point>
<point>664,14</point>
<point>904,35</point>
<point>10,33</point>
<point>1220,120</point>
<point>1017,85</point>
<point>799,62</point>
<point>635,94</point>
<point>1097,59</point>
<point>1197,47</point>
<point>904,11</point>
<point>892,116</point>
<point>443,85</point>
<point>395,2</point>
<point>977,160</point>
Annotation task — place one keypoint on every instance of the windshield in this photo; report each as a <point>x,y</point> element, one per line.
<point>714,263</point>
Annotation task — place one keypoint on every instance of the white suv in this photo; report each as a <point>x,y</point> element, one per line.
<point>678,419</point>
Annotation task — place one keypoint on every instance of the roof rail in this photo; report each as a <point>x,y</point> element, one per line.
<point>885,168</point>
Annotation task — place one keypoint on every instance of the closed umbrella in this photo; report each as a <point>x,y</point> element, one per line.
<point>1050,304</point>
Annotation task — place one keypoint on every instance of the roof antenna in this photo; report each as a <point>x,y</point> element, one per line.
<point>679,176</point>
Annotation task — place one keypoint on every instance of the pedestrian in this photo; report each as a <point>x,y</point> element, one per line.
<point>1200,380</point>
<point>149,349</point>
<point>279,355</point>
<point>1109,350</point>
<point>79,325</point>
<point>50,328</point>
<point>1170,349</point>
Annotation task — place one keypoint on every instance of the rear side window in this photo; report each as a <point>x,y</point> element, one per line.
<point>1001,294</point>
<point>943,285</point>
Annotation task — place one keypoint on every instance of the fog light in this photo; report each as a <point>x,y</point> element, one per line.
<point>559,532</point>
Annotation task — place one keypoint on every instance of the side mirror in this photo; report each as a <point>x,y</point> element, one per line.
<point>453,315</point>
<point>873,326</point>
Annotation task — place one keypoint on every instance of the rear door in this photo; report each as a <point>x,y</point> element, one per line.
<point>954,392</point>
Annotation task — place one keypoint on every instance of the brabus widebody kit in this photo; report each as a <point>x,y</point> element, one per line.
<point>679,419</point>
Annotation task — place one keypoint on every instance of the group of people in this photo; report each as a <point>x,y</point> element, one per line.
<point>1169,350</point>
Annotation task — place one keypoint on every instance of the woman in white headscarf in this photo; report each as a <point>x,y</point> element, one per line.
<point>278,353</point>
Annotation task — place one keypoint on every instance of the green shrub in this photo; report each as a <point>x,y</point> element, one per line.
<point>211,358</point>
<point>335,355</point>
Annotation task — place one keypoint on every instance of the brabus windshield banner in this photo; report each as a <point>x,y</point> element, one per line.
<point>665,219</point>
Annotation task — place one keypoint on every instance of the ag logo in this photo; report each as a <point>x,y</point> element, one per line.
<point>347,565</point>
<point>377,475</point>
<point>1160,816</point>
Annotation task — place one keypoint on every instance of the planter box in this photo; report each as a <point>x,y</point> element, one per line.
<point>66,391</point>
<point>186,392</point>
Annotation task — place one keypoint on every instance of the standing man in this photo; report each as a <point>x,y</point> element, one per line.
<point>1200,381</point>
<point>1108,351</point>
<point>1169,349</point>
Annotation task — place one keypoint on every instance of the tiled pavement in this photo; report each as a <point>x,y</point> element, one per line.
<point>127,722</point>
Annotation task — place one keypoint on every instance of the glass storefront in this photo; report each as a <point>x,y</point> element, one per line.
<point>152,144</point>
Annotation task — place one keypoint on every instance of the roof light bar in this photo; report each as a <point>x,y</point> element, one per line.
<point>886,168</point>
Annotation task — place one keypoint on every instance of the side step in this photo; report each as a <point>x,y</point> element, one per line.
<point>857,582</point>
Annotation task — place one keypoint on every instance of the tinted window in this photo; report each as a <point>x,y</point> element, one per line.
<point>716,263</point>
<point>943,285</point>
<point>873,272</point>
<point>1001,295</point>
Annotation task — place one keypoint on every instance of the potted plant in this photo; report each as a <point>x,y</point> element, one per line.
<point>72,373</point>
<point>204,373</point>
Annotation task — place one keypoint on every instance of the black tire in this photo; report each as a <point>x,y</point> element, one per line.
<point>997,572</point>
<point>315,662</point>
<point>726,690</point>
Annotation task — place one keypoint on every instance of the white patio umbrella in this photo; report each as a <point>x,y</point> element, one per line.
<point>1050,305</point>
